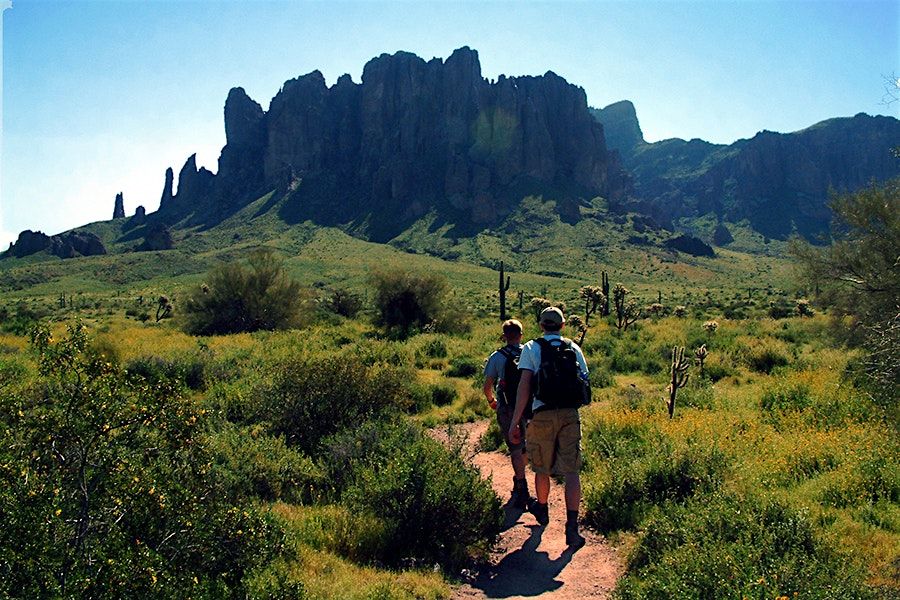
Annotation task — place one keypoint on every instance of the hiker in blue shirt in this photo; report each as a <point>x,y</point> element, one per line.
<point>554,385</point>
<point>501,380</point>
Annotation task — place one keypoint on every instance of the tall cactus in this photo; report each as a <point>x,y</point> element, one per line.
<point>700,354</point>
<point>679,376</point>
<point>503,287</point>
<point>604,286</point>
<point>521,301</point>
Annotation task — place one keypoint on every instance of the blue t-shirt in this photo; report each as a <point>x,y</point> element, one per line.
<point>496,364</point>
<point>531,360</point>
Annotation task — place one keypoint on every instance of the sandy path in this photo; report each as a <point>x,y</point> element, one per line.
<point>530,560</point>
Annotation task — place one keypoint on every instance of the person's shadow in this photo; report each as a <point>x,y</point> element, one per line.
<point>524,572</point>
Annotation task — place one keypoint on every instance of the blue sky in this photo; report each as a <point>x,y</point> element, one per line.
<point>101,96</point>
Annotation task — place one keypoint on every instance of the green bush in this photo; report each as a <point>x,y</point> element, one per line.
<point>408,302</point>
<point>436,507</point>
<point>643,470</point>
<point>463,366</point>
<point>189,370</point>
<point>723,546</point>
<point>106,489</point>
<point>252,464</point>
<point>307,399</point>
<point>765,355</point>
<point>443,394</point>
<point>235,299</point>
<point>344,302</point>
<point>786,396</point>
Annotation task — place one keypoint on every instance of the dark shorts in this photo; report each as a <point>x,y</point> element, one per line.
<point>504,420</point>
<point>554,441</point>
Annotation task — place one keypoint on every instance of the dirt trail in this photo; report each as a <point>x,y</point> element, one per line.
<point>530,560</point>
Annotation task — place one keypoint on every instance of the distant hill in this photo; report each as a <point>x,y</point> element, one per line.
<point>779,182</point>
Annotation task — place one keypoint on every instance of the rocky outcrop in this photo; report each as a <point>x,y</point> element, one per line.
<point>165,202</point>
<point>414,136</point>
<point>64,245</point>
<point>690,245</point>
<point>156,237</point>
<point>722,235</point>
<point>119,207</point>
<point>621,126</point>
<point>779,182</point>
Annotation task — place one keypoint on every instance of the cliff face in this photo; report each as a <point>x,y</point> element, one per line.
<point>779,182</point>
<point>413,136</point>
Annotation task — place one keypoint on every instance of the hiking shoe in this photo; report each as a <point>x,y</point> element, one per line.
<point>520,499</point>
<point>541,512</point>
<point>574,539</point>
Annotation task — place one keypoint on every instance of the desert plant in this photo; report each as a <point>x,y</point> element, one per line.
<point>680,311</point>
<point>407,301</point>
<point>678,377</point>
<point>503,287</point>
<point>627,310</point>
<point>803,307</point>
<point>656,309</point>
<point>538,304</point>
<point>241,299</point>
<point>576,324</point>
<point>594,298</point>
<point>604,287</point>
<point>344,302</point>
<point>710,326</point>
<point>163,308</point>
<point>700,355</point>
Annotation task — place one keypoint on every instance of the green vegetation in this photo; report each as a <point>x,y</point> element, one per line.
<point>138,459</point>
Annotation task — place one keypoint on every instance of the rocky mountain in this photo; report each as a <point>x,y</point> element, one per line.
<point>779,182</point>
<point>65,245</point>
<point>413,137</point>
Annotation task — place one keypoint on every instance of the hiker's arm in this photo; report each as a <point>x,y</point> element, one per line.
<point>523,395</point>
<point>489,391</point>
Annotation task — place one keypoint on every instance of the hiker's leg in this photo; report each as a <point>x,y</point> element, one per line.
<point>573,491</point>
<point>542,487</point>
<point>519,460</point>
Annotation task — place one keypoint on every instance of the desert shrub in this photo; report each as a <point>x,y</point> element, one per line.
<point>235,298</point>
<point>443,394</point>
<point>764,355</point>
<point>723,546</point>
<point>697,394</point>
<point>872,480</point>
<point>781,308</point>
<point>786,396</point>
<point>188,369</point>
<point>22,319</point>
<point>252,464</point>
<point>307,399</point>
<point>117,498</point>
<point>408,302</point>
<point>436,507</point>
<point>463,366</point>
<point>492,439</point>
<point>354,535</point>
<point>643,469</point>
<point>345,303</point>
<point>434,348</point>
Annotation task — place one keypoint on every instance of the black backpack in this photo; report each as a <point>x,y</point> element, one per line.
<point>509,384</point>
<point>559,380</point>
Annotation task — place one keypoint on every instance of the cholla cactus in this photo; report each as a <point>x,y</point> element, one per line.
<point>700,355</point>
<point>627,311</point>
<point>803,308</point>
<point>163,309</point>
<point>594,298</point>
<point>576,324</point>
<point>711,326</point>
<point>680,311</point>
<point>655,309</point>
<point>678,376</point>
<point>538,304</point>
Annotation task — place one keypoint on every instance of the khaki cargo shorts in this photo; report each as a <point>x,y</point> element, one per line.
<point>554,441</point>
<point>504,421</point>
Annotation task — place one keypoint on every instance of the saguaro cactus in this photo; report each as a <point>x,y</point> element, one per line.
<point>604,286</point>
<point>503,287</point>
<point>700,354</point>
<point>521,300</point>
<point>679,376</point>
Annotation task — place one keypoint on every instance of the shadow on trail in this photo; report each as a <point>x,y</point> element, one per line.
<point>524,572</point>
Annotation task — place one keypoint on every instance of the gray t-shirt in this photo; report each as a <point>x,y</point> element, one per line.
<point>531,359</point>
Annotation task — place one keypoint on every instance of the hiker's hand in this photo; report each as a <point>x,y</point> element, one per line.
<point>515,436</point>
<point>493,404</point>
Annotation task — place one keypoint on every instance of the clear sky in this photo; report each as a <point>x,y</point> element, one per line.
<point>101,96</point>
